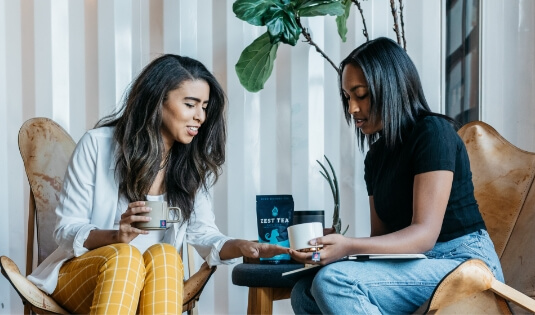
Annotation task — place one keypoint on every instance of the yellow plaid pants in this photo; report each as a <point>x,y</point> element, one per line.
<point>117,279</point>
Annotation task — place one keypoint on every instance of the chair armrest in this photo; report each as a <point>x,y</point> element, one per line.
<point>513,295</point>
<point>28,292</point>
<point>471,277</point>
<point>194,285</point>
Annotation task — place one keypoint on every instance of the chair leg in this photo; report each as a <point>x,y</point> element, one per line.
<point>260,301</point>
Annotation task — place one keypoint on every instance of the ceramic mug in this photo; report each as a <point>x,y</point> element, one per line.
<point>300,234</point>
<point>161,216</point>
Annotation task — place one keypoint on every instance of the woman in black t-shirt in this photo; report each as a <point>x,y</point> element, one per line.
<point>420,191</point>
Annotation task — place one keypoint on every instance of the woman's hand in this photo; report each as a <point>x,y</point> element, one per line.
<point>335,246</point>
<point>238,248</point>
<point>133,214</point>
<point>126,233</point>
<point>261,250</point>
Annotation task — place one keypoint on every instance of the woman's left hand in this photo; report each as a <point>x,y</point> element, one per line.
<point>243,248</point>
<point>261,250</point>
<point>335,246</point>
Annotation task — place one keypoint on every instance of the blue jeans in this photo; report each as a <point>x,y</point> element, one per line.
<point>388,286</point>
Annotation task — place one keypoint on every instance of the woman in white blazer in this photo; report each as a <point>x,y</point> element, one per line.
<point>166,143</point>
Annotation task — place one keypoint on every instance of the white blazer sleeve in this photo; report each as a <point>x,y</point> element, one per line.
<point>73,222</point>
<point>202,232</point>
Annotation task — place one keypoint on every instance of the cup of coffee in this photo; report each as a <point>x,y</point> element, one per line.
<point>161,215</point>
<point>300,234</point>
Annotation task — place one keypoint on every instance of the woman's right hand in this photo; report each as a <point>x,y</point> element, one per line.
<point>127,232</point>
<point>335,246</point>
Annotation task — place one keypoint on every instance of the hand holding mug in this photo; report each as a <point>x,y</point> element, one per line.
<point>334,247</point>
<point>160,216</point>
<point>135,213</point>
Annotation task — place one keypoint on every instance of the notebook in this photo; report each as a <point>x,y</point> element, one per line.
<point>310,269</point>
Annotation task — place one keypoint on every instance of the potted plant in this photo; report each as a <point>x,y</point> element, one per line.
<point>283,21</point>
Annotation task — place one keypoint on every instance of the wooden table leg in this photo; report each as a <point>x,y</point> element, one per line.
<point>260,301</point>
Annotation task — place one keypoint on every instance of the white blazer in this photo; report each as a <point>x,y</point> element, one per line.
<point>89,200</point>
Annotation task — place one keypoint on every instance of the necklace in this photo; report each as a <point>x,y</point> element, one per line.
<point>166,160</point>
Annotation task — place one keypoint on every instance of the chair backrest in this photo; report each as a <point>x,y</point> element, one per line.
<point>503,180</point>
<point>46,149</point>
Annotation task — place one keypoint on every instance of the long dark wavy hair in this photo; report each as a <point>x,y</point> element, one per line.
<point>140,146</point>
<point>396,94</point>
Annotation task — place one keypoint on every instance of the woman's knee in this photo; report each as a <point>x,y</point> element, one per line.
<point>123,256</point>
<point>161,248</point>
<point>122,250</point>
<point>328,278</point>
<point>333,279</point>
<point>163,254</point>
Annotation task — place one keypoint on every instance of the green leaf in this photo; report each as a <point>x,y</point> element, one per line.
<point>308,3</point>
<point>335,181</point>
<point>341,20</point>
<point>256,63</point>
<point>334,8</point>
<point>282,25</point>
<point>327,177</point>
<point>252,11</point>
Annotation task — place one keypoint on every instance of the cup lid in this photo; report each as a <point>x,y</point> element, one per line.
<point>309,212</point>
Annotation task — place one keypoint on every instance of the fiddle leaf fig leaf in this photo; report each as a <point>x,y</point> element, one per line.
<point>341,20</point>
<point>309,3</point>
<point>282,25</point>
<point>256,63</point>
<point>252,11</point>
<point>333,8</point>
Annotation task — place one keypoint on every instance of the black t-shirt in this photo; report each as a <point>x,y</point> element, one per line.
<point>431,145</point>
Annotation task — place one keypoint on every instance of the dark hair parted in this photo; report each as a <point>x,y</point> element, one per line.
<point>396,93</point>
<point>140,145</point>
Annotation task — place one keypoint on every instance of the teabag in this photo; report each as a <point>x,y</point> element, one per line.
<point>274,214</point>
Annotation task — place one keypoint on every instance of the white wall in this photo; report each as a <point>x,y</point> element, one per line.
<point>508,70</point>
<point>71,61</point>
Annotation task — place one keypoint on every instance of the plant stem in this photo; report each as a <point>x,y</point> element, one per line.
<point>395,16</point>
<point>365,30</point>
<point>335,181</point>
<point>312,43</point>
<point>402,24</point>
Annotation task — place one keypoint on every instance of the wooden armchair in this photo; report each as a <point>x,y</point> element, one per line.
<point>503,180</point>
<point>46,149</point>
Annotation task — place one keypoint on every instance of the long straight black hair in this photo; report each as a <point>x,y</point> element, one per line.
<point>396,94</point>
<point>140,145</point>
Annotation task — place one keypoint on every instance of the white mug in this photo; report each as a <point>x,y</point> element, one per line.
<point>160,216</point>
<point>300,234</point>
